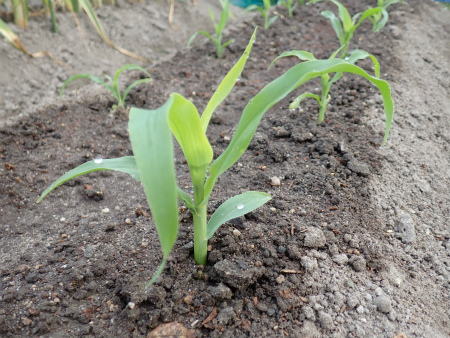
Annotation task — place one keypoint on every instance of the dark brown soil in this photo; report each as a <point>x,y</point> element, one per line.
<point>313,262</point>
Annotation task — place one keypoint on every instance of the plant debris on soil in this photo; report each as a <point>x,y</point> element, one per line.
<point>354,243</point>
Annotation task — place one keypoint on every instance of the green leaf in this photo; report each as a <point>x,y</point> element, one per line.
<point>226,85</point>
<point>125,164</point>
<point>236,206</point>
<point>294,104</point>
<point>93,78</point>
<point>134,84</point>
<point>151,141</point>
<point>344,15</point>
<point>300,54</point>
<point>186,127</point>
<point>277,90</point>
<point>336,24</point>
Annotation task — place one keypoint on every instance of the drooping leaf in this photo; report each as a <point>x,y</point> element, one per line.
<point>125,164</point>
<point>277,90</point>
<point>236,206</point>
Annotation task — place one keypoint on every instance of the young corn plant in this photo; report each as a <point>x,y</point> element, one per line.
<point>346,25</point>
<point>265,12</point>
<point>326,80</point>
<point>112,84</point>
<point>218,27</point>
<point>289,5</point>
<point>151,134</point>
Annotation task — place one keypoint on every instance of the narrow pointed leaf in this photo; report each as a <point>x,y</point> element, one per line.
<point>151,141</point>
<point>226,85</point>
<point>93,78</point>
<point>300,54</point>
<point>336,24</point>
<point>125,164</point>
<point>236,206</point>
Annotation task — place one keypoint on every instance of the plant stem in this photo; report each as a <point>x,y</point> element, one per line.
<point>200,241</point>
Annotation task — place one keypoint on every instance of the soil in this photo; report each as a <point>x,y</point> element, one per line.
<point>354,243</point>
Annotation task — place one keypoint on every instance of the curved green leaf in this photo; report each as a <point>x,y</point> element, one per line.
<point>93,78</point>
<point>236,206</point>
<point>277,90</point>
<point>125,164</point>
<point>294,104</point>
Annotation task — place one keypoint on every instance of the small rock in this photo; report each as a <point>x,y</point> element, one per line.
<point>358,263</point>
<point>89,251</point>
<point>406,228</point>
<point>341,259</point>
<point>275,181</point>
<point>131,305</point>
<point>309,330</point>
<point>326,321</point>
<point>314,238</point>
<point>383,303</point>
<point>236,232</point>
<point>308,263</point>
<point>358,167</point>
<point>236,275</point>
<point>105,210</point>
<point>26,321</point>
<point>221,292</point>
<point>262,307</point>
<point>360,309</point>
<point>280,279</point>
<point>352,301</point>
<point>226,316</point>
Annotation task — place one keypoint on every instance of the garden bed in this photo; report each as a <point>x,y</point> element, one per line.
<point>354,243</point>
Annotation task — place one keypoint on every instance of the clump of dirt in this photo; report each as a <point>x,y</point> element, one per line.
<point>348,246</point>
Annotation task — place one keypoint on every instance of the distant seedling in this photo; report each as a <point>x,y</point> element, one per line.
<point>313,68</point>
<point>265,12</point>
<point>219,27</point>
<point>345,25</point>
<point>112,84</point>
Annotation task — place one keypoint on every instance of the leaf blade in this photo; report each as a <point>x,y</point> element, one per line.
<point>236,206</point>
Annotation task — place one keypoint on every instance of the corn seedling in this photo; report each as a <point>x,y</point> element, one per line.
<point>112,84</point>
<point>290,5</point>
<point>265,12</point>
<point>219,27</point>
<point>153,162</point>
<point>343,66</point>
<point>345,25</point>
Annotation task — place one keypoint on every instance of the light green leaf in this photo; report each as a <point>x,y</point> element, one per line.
<point>300,54</point>
<point>125,164</point>
<point>151,141</point>
<point>226,85</point>
<point>294,104</point>
<point>93,78</point>
<point>236,206</point>
<point>336,24</point>
<point>186,127</point>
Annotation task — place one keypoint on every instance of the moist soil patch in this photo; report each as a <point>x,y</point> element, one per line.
<point>354,243</point>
